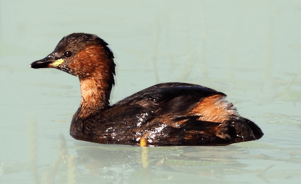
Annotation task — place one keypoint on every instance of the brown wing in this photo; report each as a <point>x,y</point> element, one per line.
<point>163,102</point>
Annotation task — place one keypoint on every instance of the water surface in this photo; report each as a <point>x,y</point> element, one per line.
<point>249,50</point>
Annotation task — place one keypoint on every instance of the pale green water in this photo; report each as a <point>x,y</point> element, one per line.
<point>250,50</point>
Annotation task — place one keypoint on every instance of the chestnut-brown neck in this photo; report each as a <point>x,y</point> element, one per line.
<point>96,75</point>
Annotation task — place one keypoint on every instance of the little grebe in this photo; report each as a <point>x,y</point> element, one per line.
<point>161,115</point>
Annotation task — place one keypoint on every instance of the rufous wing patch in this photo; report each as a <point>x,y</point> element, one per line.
<point>214,109</point>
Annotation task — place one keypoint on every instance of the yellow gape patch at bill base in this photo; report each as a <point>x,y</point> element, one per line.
<point>58,62</point>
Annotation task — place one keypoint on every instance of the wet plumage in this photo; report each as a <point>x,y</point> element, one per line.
<point>164,114</point>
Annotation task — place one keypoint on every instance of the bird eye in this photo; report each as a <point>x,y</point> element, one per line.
<point>67,53</point>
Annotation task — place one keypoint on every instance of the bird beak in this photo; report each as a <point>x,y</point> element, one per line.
<point>43,63</point>
<point>47,62</point>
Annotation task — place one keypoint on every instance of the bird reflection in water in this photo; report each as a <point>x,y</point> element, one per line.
<point>122,164</point>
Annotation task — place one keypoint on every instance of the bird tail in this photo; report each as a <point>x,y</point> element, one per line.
<point>241,129</point>
<point>235,129</point>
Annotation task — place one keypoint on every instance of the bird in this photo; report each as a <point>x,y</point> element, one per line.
<point>166,114</point>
